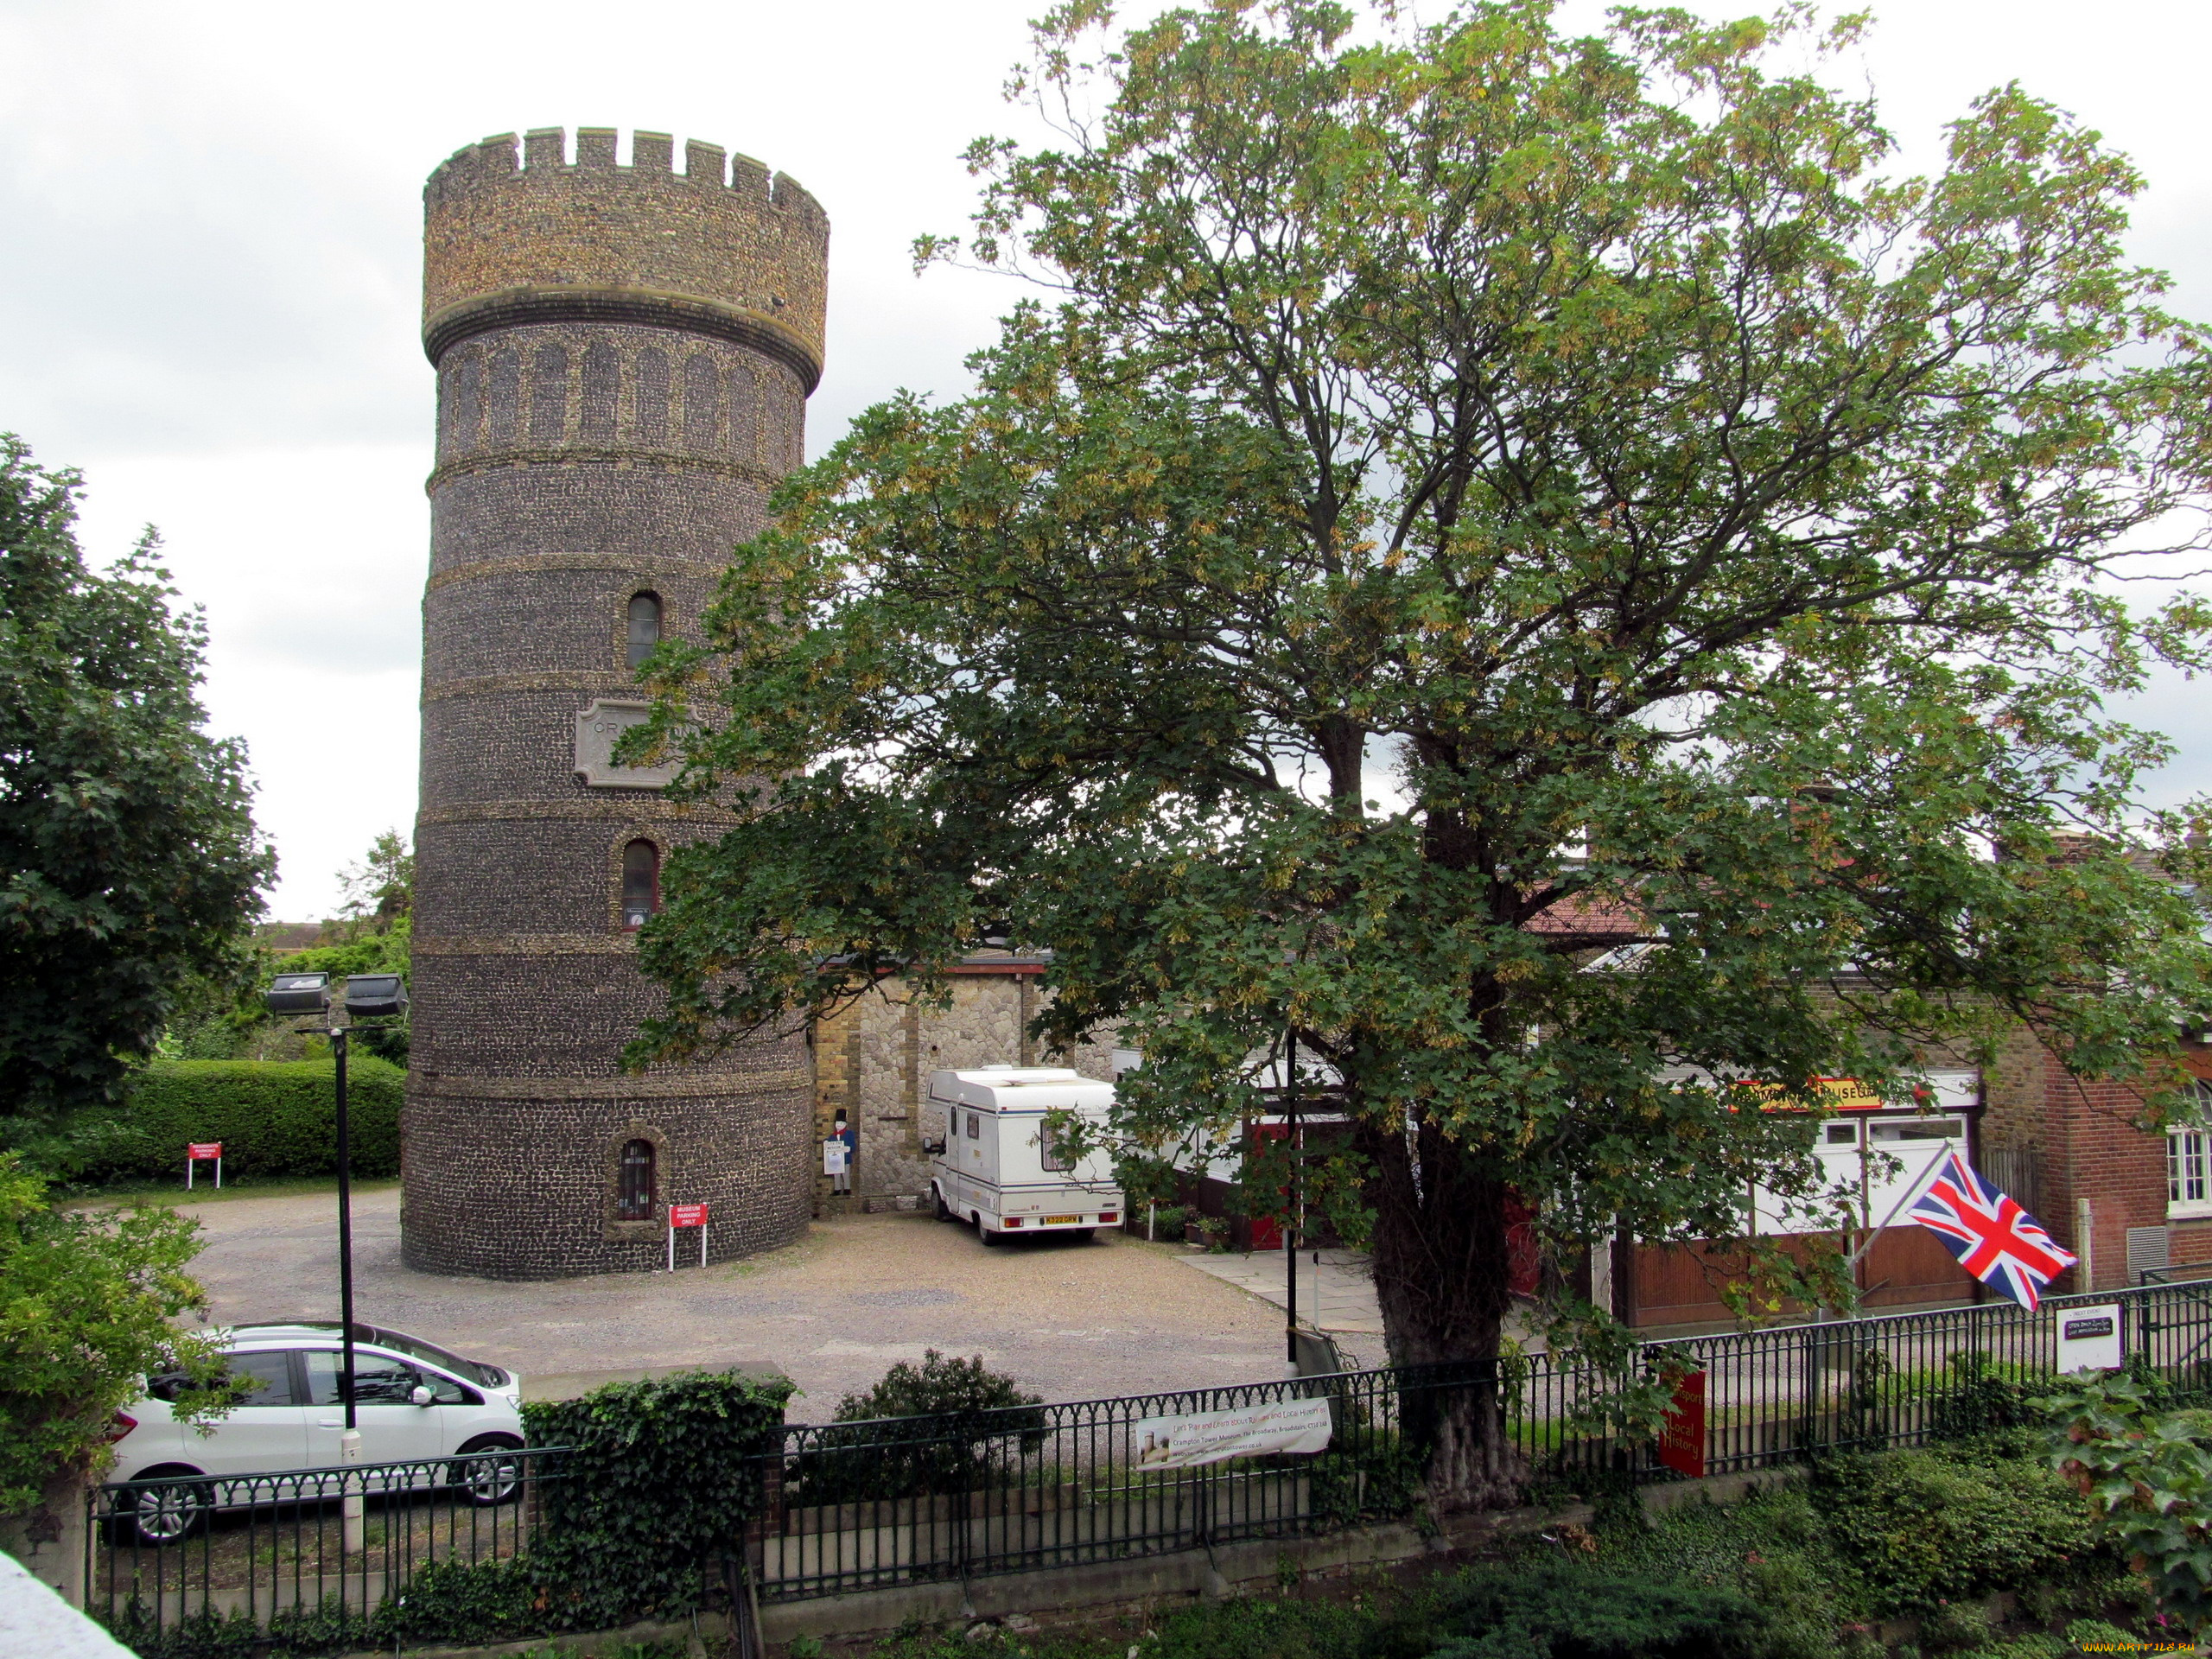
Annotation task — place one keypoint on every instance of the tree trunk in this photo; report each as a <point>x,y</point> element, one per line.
<point>1442,1278</point>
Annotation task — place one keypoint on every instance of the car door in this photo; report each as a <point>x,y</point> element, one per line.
<point>459,1411</point>
<point>394,1429</point>
<point>265,1431</point>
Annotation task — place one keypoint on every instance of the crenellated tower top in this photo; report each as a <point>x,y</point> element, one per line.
<point>518,233</point>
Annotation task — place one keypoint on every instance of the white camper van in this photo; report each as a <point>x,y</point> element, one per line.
<point>997,1165</point>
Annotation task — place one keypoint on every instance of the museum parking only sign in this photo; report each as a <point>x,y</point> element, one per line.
<point>686,1215</point>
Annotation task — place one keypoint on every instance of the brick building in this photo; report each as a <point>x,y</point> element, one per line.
<point>2125,1199</point>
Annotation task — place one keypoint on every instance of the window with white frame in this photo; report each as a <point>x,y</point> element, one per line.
<point>2189,1159</point>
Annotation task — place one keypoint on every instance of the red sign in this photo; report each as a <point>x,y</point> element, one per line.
<point>687,1214</point>
<point>203,1149</point>
<point>1682,1437</point>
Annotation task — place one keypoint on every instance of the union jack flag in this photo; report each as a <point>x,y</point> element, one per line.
<point>1995,1239</point>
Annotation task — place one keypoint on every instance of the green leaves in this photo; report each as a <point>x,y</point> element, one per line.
<point>663,1476</point>
<point>86,1306</point>
<point>129,861</point>
<point>2148,1475</point>
<point>1526,560</point>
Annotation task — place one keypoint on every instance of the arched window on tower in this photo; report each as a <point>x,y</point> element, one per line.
<point>633,1191</point>
<point>640,882</point>
<point>644,626</point>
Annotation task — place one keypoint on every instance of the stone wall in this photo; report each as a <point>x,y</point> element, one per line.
<point>874,1058</point>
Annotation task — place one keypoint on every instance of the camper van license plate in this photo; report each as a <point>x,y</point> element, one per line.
<point>1061,1221</point>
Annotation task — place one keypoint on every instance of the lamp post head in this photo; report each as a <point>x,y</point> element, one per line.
<point>375,997</point>
<point>298,994</point>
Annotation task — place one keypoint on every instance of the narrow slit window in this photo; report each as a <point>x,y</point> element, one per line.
<point>633,1197</point>
<point>640,882</point>
<point>644,626</point>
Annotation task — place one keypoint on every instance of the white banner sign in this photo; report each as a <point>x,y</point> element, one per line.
<point>1213,1436</point>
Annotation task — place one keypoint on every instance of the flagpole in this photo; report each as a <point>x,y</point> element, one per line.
<point>1919,1184</point>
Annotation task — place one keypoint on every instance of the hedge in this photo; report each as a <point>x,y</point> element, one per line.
<point>274,1117</point>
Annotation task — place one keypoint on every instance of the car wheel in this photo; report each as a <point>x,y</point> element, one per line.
<point>1085,1234</point>
<point>165,1514</point>
<point>944,1210</point>
<point>487,1479</point>
<point>989,1234</point>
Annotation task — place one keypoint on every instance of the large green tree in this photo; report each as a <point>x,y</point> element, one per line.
<point>130,866</point>
<point>1481,499</point>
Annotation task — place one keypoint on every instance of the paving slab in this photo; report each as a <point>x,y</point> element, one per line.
<point>1336,1293</point>
<point>1071,1319</point>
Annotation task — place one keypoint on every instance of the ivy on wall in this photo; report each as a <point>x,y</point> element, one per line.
<point>661,1476</point>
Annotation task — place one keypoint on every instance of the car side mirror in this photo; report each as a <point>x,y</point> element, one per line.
<point>935,1148</point>
<point>421,1395</point>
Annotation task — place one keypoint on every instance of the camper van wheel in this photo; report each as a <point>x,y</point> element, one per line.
<point>1086,1233</point>
<point>944,1210</point>
<point>989,1235</point>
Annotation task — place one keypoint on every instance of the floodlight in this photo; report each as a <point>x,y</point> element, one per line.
<point>375,997</point>
<point>298,994</point>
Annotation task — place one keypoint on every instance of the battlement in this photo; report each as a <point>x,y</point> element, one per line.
<point>493,162</point>
<point>511,216</point>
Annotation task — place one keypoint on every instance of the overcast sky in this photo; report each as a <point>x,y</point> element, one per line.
<point>211,214</point>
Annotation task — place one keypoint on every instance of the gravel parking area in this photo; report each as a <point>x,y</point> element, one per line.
<point>1071,1320</point>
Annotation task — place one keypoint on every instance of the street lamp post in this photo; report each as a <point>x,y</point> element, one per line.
<point>368,996</point>
<point>1290,1191</point>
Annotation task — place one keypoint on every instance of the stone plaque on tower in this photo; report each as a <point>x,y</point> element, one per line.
<point>603,722</point>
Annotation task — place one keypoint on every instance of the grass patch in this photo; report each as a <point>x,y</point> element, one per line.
<point>122,1197</point>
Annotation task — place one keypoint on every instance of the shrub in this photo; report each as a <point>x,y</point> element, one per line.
<point>273,1118</point>
<point>1927,1527</point>
<point>1165,1225</point>
<point>933,1429</point>
<point>938,1385</point>
<point>2147,1477</point>
<point>1983,1395</point>
<point>86,1308</point>
<point>1563,1612</point>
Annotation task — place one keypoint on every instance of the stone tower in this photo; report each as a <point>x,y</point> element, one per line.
<point>624,354</point>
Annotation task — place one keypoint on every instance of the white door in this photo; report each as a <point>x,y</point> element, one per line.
<point>459,1412</point>
<point>394,1429</point>
<point>265,1431</point>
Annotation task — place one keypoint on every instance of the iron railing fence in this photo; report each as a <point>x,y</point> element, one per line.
<point>857,1506</point>
<point>273,1549</point>
<point>1778,1395</point>
<point>864,1505</point>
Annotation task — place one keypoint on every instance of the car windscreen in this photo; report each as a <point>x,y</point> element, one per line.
<point>437,1356</point>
